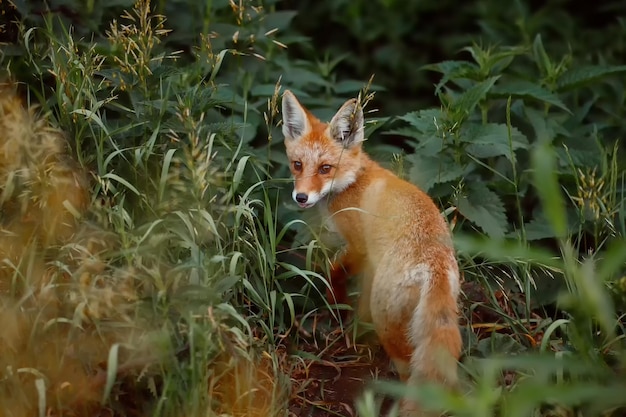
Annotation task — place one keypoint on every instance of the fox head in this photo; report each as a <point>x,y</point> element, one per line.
<point>323,157</point>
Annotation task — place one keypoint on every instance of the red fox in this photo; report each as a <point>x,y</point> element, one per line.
<point>396,239</point>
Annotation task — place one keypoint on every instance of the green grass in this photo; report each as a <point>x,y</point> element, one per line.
<point>192,286</point>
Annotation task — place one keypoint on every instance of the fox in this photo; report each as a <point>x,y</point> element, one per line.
<point>396,241</point>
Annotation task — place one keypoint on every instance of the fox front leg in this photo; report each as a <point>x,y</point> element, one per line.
<point>347,266</point>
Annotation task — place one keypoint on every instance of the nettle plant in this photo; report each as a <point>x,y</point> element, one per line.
<point>473,151</point>
<point>526,152</point>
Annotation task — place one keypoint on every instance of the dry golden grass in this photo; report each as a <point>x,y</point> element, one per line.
<point>65,359</point>
<point>63,302</point>
<point>43,192</point>
<point>246,387</point>
<point>54,281</point>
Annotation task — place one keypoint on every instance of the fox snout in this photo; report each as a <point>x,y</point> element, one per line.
<point>301,198</point>
<point>305,200</point>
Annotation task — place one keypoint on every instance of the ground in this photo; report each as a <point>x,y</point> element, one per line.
<point>338,370</point>
<point>328,386</point>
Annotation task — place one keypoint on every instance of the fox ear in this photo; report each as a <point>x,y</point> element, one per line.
<point>295,121</point>
<point>347,125</point>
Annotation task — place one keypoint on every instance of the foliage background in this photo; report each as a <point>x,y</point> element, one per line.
<point>509,114</point>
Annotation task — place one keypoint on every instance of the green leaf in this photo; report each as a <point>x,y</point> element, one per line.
<point>298,77</point>
<point>531,393</point>
<point>427,171</point>
<point>499,342</point>
<point>40,385</point>
<point>279,20</point>
<point>122,181</point>
<point>536,229</point>
<point>547,185</point>
<point>451,70</point>
<point>528,90</point>
<point>484,208</point>
<point>112,366</point>
<point>474,95</point>
<point>405,131</point>
<point>493,60</point>
<point>541,57</point>
<point>506,250</point>
<point>543,126</point>
<point>594,295</point>
<point>613,260</point>
<point>485,141</point>
<point>579,76</point>
<point>425,121</point>
<point>353,87</point>
<point>581,150</point>
<point>499,61</point>
<point>263,90</point>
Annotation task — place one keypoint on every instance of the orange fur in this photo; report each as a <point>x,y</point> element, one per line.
<point>395,238</point>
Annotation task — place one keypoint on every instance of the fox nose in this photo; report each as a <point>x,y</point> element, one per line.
<point>301,198</point>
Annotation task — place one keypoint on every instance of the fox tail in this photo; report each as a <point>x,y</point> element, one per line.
<point>436,339</point>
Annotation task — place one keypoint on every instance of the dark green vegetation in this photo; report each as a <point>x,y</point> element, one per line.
<point>205,283</point>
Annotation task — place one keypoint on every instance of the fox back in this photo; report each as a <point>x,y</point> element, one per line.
<point>396,240</point>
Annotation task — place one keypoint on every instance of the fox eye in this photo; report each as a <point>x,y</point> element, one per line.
<point>297,165</point>
<point>325,169</point>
